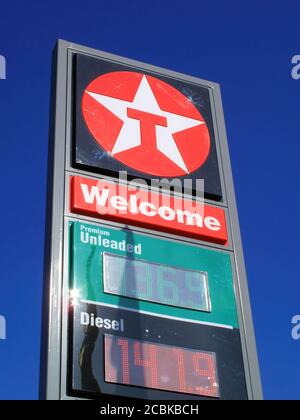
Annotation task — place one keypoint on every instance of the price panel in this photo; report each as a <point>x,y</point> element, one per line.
<point>133,354</point>
<point>119,267</point>
<point>152,317</point>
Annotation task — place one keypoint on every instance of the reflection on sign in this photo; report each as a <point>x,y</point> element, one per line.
<point>156,366</point>
<point>162,284</point>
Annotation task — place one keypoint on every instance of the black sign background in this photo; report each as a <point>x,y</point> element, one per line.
<point>86,358</point>
<point>88,154</point>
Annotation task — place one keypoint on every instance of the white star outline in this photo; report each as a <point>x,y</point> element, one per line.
<point>130,133</point>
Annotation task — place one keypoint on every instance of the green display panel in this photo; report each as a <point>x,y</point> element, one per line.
<point>151,275</point>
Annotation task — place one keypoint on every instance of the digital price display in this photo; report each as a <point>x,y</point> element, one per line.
<point>124,276</point>
<point>152,318</point>
<point>156,366</point>
<point>119,351</point>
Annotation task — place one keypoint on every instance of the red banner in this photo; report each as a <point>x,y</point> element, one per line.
<point>141,207</point>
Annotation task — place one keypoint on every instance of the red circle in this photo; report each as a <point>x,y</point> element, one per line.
<point>193,143</point>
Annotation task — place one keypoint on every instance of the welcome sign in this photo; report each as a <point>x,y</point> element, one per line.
<point>143,207</point>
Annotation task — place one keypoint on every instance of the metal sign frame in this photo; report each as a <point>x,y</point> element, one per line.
<point>54,363</point>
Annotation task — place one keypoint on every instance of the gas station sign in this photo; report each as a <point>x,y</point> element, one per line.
<point>145,292</point>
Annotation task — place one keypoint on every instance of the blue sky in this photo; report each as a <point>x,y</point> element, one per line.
<point>245,46</point>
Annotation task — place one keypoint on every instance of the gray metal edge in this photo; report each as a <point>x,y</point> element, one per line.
<point>51,347</point>
<point>243,291</point>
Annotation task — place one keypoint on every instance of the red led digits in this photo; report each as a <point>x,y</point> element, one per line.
<point>151,363</point>
<point>110,368</point>
<point>123,343</point>
<point>210,373</point>
<point>181,369</point>
<point>162,367</point>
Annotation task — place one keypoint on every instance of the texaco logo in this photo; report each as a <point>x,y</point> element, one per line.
<point>146,124</point>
